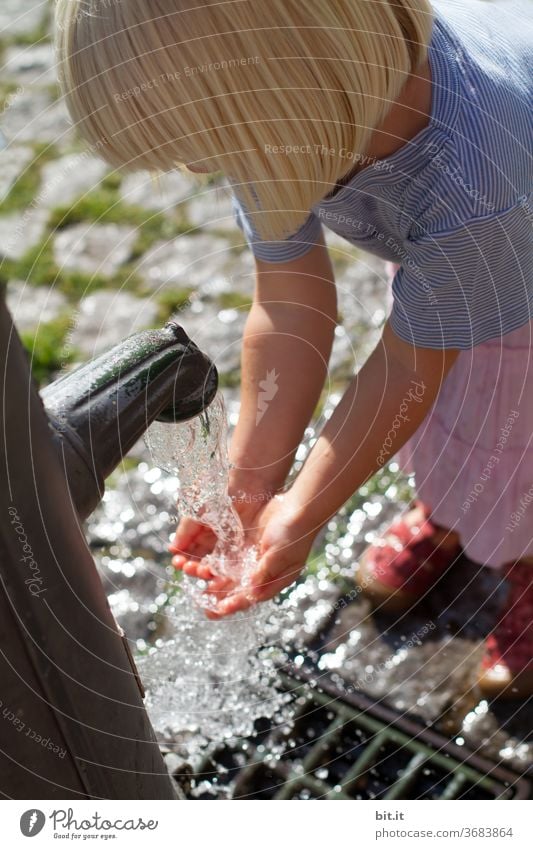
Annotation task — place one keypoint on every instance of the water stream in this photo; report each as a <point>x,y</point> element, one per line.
<point>196,452</point>
<point>213,678</point>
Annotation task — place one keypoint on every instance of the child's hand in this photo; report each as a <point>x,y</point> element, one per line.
<point>193,540</point>
<point>283,552</point>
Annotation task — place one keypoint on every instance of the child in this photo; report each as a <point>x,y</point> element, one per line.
<point>406,129</point>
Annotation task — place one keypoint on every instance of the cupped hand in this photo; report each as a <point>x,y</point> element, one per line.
<point>283,549</point>
<point>193,540</point>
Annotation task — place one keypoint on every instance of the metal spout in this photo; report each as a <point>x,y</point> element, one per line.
<point>98,411</point>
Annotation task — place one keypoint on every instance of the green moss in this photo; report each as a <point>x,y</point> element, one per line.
<point>38,268</point>
<point>102,205</point>
<point>54,91</point>
<point>76,284</point>
<point>46,350</point>
<point>26,188</point>
<point>171,301</point>
<point>234,301</point>
<point>6,91</point>
<point>112,181</point>
<point>34,36</point>
<point>230,379</point>
<point>156,228</point>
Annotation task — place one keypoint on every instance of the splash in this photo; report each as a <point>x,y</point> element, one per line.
<point>196,452</point>
<point>213,677</point>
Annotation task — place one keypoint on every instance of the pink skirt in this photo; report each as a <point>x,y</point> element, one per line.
<point>472,456</point>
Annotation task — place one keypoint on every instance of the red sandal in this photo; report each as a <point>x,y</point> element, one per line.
<point>397,570</point>
<point>507,666</point>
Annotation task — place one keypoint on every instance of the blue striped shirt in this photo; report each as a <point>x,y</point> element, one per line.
<point>453,206</point>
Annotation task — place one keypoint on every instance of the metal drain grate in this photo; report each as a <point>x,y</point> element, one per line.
<point>338,750</point>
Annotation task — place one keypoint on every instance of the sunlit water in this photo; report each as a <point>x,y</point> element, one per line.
<point>204,687</point>
<point>196,452</point>
<point>212,677</point>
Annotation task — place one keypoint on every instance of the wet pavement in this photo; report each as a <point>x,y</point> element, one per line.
<point>422,664</point>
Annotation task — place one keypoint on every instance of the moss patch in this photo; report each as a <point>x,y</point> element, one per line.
<point>234,301</point>
<point>171,301</point>
<point>7,90</point>
<point>230,379</point>
<point>104,206</point>
<point>34,36</point>
<point>38,268</point>
<point>46,348</point>
<point>25,189</point>
<point>157,228</point>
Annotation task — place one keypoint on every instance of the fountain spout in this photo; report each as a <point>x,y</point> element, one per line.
<point>98,411</point>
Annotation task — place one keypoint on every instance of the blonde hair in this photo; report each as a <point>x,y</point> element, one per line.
<point>271,92</point>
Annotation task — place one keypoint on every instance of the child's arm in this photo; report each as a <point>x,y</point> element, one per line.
<point>286,348</point>
<point>384,405</point>
<point>285,352</point>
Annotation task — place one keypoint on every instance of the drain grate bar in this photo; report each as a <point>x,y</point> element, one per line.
<point>453,789</point>
<point>388,734</point>
<point>340,749</point>
<point>408,777</point>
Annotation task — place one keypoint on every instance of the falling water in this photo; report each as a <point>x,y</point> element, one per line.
<point>203,686</point>
<point>214,678</point>
<point>196,452</point>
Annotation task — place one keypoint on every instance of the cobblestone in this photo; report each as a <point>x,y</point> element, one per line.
<point>106,317</point>
<point>33,305</point>
<point>94,248</point>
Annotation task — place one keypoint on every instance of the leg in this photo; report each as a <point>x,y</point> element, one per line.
<point>507,667</point>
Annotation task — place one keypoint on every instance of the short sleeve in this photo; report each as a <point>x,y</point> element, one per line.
<point>290,248</point>
<point>458,289</point>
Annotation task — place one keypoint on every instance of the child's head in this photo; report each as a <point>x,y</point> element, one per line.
<point>271,92</point>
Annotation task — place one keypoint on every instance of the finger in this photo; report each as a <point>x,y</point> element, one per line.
<point>273,574</point>
<point>190,567</point>
<point>178,560</point>
<point>192,537</point>
<point>220,586</point>
<point>202,544</point>
<point>266,583</point>
<point>184,533</point>
<point>197,569</point>
<point>233,604</point>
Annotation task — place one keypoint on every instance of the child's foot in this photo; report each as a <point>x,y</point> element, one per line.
<point>398,569</point>
<point>507,667</point>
